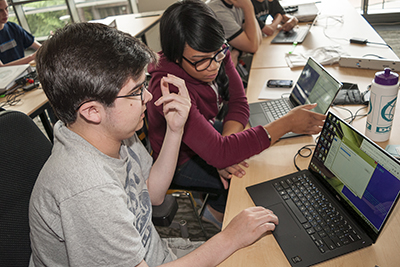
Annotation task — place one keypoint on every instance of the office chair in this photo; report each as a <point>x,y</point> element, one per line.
<point>189,191</point>
<point>163,215</point>
<point>24,149</point>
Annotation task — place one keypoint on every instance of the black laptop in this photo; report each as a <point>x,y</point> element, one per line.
<point>295,35</point>
<point>315,85</point>
<point>339,204</point>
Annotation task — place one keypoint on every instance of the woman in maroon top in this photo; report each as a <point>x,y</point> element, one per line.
<point>215,143</point>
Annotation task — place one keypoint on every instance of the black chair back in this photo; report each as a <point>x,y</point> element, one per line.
<point>23,150</point>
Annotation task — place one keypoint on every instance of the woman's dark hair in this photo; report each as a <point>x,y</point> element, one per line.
<point>88,61</point>
<point>193,23</point>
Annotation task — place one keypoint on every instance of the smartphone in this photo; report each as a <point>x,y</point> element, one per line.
<point>280,83</point>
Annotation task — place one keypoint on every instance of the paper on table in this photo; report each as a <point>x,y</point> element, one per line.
<point>324,55</point>
<point>273,93</point>
<point>9,74</point>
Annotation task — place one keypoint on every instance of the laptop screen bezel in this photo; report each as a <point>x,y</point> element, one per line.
<point>364,225</point>
<point>292,97</point>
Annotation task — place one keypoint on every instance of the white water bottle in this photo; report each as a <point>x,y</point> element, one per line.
<point>382,105</point>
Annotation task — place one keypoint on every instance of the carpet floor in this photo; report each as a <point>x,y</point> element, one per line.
<point>391,35</point>
<point>185,212</point>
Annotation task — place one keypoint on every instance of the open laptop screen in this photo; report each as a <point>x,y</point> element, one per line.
<point>315,85</point>
<point>358,172</point>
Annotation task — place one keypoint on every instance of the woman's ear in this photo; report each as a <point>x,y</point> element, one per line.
<point>91,111</point>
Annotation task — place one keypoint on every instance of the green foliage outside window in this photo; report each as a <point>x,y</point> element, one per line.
<point>43,16</point>
<point>42,22</point>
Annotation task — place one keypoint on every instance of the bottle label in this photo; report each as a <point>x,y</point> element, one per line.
<point>383,129</point>
<point>380,114</point>
<point>379,129</point>
<point>387,112</point>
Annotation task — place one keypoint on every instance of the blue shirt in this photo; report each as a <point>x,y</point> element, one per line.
<point>13,41</point>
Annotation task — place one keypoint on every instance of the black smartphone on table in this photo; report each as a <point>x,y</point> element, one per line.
<point>280,83</point>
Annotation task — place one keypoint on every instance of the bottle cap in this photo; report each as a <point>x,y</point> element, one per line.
<point>386,77</point>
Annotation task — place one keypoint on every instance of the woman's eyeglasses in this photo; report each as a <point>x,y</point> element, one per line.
<point>203,64</point>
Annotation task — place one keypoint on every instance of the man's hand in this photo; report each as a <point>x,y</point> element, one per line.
<point>175,106</point>
<point>249,225</point>
<point>269,29</point>
<point>289,23</point>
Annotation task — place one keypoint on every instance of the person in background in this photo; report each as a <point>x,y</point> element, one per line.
<point>215,143</point>
<point>240,25</point>
<point>281,21</point>
<point>14,40</point>
<point>91,204</point>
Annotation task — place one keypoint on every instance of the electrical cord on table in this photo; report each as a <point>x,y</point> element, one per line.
<point>303,154</point>
<point>356,114</point>
<point>352,116</point>
<point>373,55</point>
<point>346,109</point>
<point>385,44</point>
<point>12,99</point>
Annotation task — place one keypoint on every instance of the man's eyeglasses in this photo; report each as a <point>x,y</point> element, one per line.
<point>206,62</point>
<point>138,92</point>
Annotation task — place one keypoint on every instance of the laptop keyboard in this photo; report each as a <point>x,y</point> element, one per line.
<point>321,220</point>
<point>295,35</point>
<point>274,109</point>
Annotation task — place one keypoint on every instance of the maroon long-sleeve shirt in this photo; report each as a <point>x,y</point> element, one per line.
<point>200,137</point>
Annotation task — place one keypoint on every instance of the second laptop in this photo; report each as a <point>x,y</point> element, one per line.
<point>315,85</point>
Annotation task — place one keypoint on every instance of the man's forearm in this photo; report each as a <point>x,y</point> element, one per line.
<point>251,28</point>
<point>211,253</point>
<point>24,60</point>
<point>163,169</point>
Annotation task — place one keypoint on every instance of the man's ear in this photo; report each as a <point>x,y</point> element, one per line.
<point>91,111</point>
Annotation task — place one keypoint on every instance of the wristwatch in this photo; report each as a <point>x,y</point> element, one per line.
<point>269,136</point>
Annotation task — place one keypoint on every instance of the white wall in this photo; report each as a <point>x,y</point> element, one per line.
<point>153,5</point>
<point>153,35</point>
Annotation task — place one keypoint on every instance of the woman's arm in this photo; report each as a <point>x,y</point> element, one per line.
<point>25,60</point>
<point>299,120</point>
<point>21,61</point>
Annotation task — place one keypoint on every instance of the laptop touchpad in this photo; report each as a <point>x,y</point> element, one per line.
<point>287,225</point>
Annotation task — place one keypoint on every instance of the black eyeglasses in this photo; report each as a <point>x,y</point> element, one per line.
<point>206,62</point>
<point>138,92</point>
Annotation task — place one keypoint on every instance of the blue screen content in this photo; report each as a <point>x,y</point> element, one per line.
<point>358,170</point>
